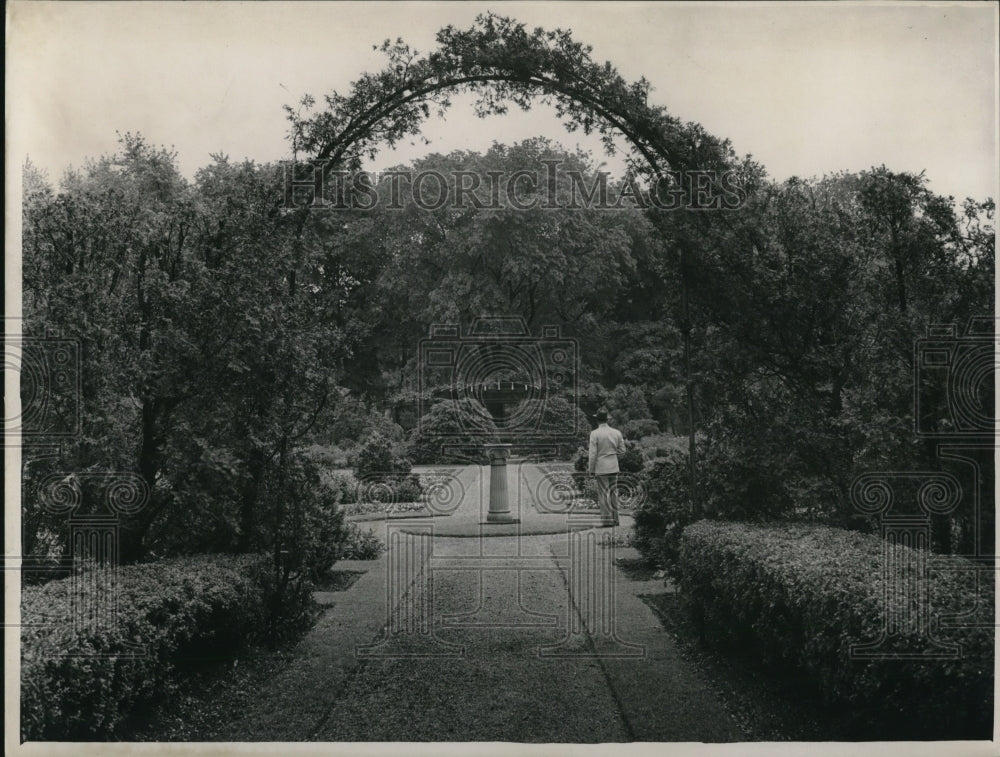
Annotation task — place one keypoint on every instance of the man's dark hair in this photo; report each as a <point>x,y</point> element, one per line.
<point>601,415</point>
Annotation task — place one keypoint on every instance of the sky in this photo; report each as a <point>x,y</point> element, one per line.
<point>806,89</point>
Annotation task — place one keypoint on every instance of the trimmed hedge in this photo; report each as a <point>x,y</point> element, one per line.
<point>798,597</point>
<point>82,685</point>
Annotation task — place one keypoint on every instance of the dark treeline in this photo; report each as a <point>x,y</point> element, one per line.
<point>223,333</point>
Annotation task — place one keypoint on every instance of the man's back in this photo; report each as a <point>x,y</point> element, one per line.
<point>606,444</point>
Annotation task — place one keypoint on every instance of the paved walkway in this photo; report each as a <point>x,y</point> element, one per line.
<point>527,637</point>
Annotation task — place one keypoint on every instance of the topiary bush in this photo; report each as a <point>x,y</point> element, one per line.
<point>81,683</point>
<point>797,597</point>
<point>453,431</point>
<point>382,476</point>
<point>637,428</point>
<point>376,458</point>
<point>553,419</point>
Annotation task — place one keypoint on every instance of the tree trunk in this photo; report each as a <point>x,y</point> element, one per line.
<point>256,465</point>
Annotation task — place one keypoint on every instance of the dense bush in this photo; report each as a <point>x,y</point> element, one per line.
<point>343,484</point>
<point>453,431</point>
<point>328,456</point>
<point>797,597</point>
<point>382,476</point>
<point>625,403</point>
<point>730,487</point>
<point>82,683</point>
<point>637,428</point>
<point>361,544</point>
<point>311,522</point>
<point>553,418</point>
<point>665,511</point>
<point>376,458</point>
<point>352,420</point>
<point>633,460</point>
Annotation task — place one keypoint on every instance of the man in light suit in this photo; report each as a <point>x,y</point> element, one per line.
<point>606,444</point>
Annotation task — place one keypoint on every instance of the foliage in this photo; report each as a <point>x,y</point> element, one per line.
<point>637,428</point>
<point>220,330</point>
<point>343,484</point>
<point>204,359</point>
<point>626,403</point>
<point>666,510</point>
<point>797,597</point>
<point>554,419</point>
<point>82,683</point>
<point>499,61</point>
<point>453,431</point>
<point>361,544</point>
<point>353,420</point>
<point>375,458</point>
<point>633,460</point>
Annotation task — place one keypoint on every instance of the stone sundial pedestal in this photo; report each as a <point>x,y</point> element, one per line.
<point>499,511</point>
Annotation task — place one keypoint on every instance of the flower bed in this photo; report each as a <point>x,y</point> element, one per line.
<point>798,597</point>
<point>378,499</point>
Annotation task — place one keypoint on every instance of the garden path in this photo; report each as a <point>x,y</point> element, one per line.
<point>502,638</point>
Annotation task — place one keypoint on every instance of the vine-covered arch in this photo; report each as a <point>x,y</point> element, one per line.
<point>500,62</point>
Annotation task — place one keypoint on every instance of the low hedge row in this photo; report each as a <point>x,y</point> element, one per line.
<point>83,684</point>
<point>798,597</point>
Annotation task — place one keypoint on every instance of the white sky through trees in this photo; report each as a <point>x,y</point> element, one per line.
<point>806,89</point>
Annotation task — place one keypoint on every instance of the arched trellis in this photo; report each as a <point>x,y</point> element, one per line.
<point>501,62</point>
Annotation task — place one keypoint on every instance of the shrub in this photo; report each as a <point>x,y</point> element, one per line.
<point>353,420</point>
<point>383,477</point>
<point>453,431</point>
<point>343,485</point>
<point>797,597</point>
<point>640,427</point>
<point>375,458</point>
<point>633,460</point>
<point>554,418</point>
<point>312,523</point>
<point>627,402</point>
<point>389,489</point>
<point>81,683</point>
<point>361,545</point>
<point>666,510</point>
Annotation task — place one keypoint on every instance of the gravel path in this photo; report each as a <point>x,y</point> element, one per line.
<point>491,639</point>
